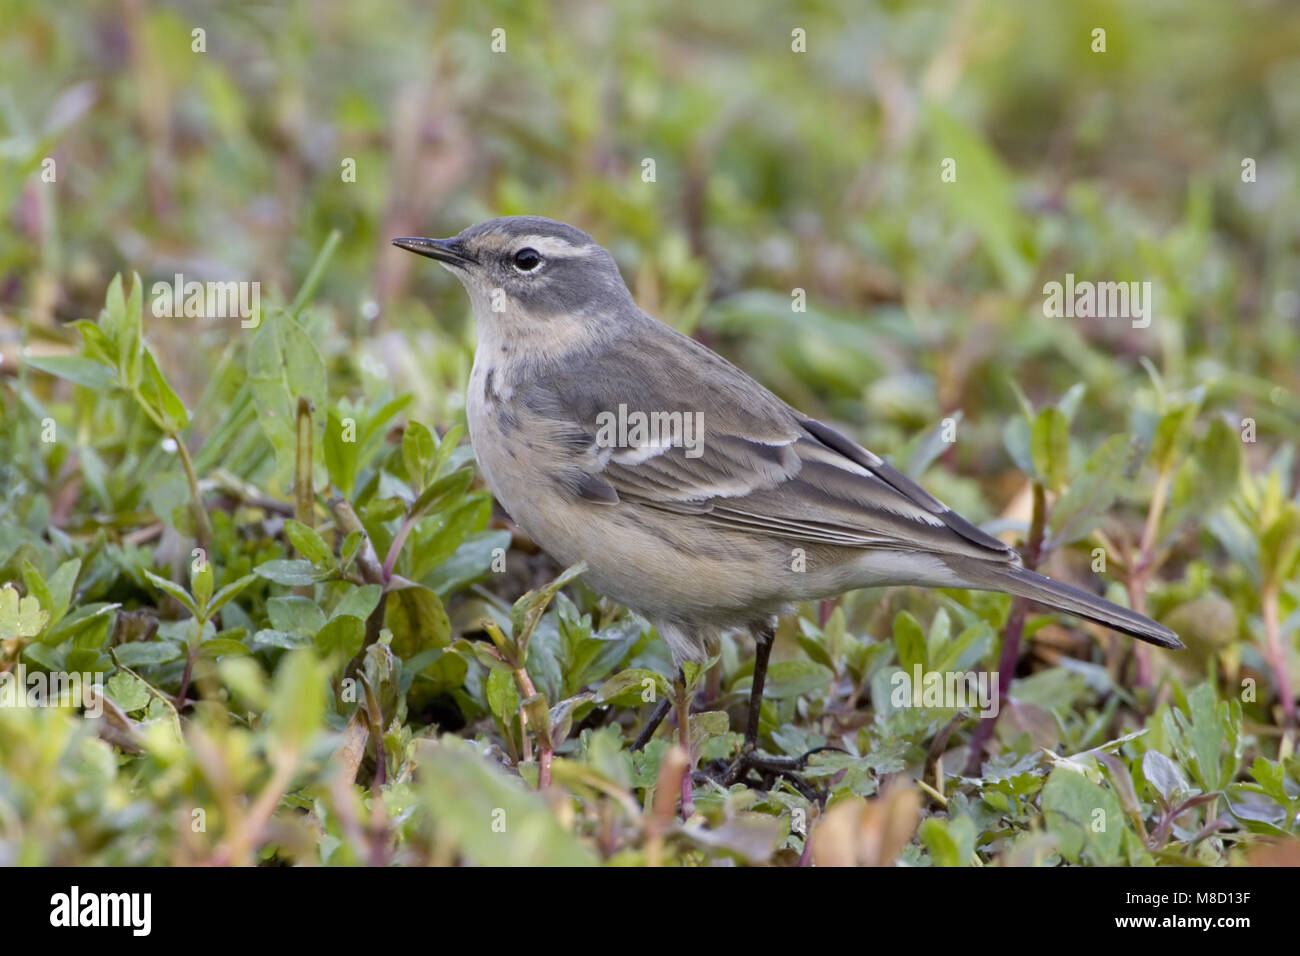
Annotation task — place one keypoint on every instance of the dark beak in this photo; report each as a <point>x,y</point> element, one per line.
<point>444,250</point>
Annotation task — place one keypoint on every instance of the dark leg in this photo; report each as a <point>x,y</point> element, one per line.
<point>764,636</point>
<point>683,701</point>
<point>656,718</point>
<point>750,759</point>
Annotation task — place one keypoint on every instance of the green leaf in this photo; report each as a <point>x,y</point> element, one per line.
<point>470,561</point>
<point>316,272</point>
<point>418,621</point>
<point>283,365</point>
<point>340,454</point>
<point>131,336</point>
<point>248,682</point>
<point>201,582</point>
<point>223,647</point>
<point>98,346</point>
<point>348,550</point>
<point>128,692</point>
<point>360,601</point>
<point>443,492</point>
<point>445,448</point>
<point>292,573</point>
<point>950,842</point>
<point>1015,437</point>
<point>1169,435</point>
<point>61,586</point>
<point>928,446</point>
<point>418,452</point>
<point>298,699</point>
<point>269,637</point>
<point>158,394</point>
<point>1085,817</point>
<point>502,695</point>
<point>297,614</point>
<point>1271,777</point>
<point>528,610</point>
<point>970,645</point>
<point>1220,459</point>
<point>1050,448</point>
<point>632,687</point>
<point>114,313</point>
<point>341,635</point>
<point>36,586</point>
<point>910,641</point>
<point>308,543</point>
<point>451,527</point>
<point>487,815</point>
<point>20,619</point>
<point>175,590</point>
<point>79,620</point>
<point>1163,775</point>
<point>1203,731</point>
<point>440,670</point>
<point>983,197</point>
<point>480,651</point>
<point>76,369</point>
<point>786,679</point>
<point>229,593</point>
<point>1121,782</point>
<point>147,653</point>
<point>1069,402</point>
<point>1091,493</point>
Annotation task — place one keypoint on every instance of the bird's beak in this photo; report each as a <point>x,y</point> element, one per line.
<point>444,250</point>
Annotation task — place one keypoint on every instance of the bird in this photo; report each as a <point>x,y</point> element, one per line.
<point>696,496</point>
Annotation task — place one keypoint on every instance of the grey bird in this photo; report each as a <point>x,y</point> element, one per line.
<point>725,527</point>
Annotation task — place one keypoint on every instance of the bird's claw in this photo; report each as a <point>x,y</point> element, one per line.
<point>769,768</point>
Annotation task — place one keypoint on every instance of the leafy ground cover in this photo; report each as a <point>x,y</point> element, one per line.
<point>321,644</point>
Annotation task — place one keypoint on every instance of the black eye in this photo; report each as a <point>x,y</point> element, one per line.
<point>526,260</point>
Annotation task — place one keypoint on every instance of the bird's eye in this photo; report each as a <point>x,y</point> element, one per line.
<point>526,260</point>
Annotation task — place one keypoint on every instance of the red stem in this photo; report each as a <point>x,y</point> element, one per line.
<point>1011,635</point>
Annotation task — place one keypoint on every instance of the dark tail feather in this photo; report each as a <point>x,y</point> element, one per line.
<point>1065,597</point>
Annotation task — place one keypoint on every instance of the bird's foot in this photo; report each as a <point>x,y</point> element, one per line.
<point>769,769</point>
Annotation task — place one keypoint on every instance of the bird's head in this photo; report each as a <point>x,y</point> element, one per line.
<point>523,271</point>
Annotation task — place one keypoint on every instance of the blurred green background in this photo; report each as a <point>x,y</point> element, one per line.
<point>774,170</point>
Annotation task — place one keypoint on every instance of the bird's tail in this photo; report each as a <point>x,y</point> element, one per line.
<point>1064,597</point>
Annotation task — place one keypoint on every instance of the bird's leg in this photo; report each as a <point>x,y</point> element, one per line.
<point>683,700</point>
<point>656,718</point>
<point>750,759</point>
<point>764,638</point>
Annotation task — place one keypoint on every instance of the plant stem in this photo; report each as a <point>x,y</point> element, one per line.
<point>304,495</point>
<point>394,549</point>
<point>316,272</point>
<point>544,753</point>
<point>303,492</point>
<point>1011,634</point>
<point>1277,654</point>
<point>1140,570</point>
<point>248,829</point>
<point>202,523</point>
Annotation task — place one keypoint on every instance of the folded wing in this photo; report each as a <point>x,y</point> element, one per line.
<point>755,466</point>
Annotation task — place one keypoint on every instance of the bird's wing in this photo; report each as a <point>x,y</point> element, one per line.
<point>742,459</point>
